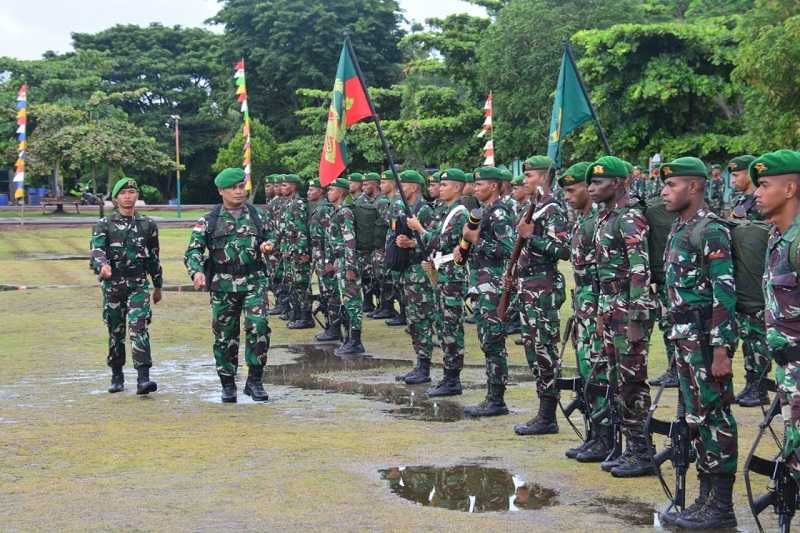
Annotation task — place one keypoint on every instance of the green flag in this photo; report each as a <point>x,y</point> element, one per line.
<point>571,107</point>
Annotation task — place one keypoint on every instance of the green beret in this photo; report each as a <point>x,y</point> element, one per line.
<point>387,175</point>
<point>412,176</point>
<point>607,166</point>
<point>507,175</point>
<point>469,177</point>
<point>315,183</point>
<point>436,177</point>
<point>340,183</point>
<point>453,174</point>
<point>683,166</point>
<point>574,174</point>
<point>741,162</point>
<point>229,177</point>
<point>357,177</point>
<point>292,178</point>
<point>716,166</point>
<point>518,181</point>
<point>278,178</point>
<point>488,173</point>
<point>372,176</point>
<point>539,162</point>
<point>775,163</point>
<point>124,183</point>
<point>628,166</point>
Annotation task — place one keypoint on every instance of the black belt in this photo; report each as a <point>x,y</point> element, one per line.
<point>118,272</point>
<point>237,270</point>
<point>532,270</point>
<point>613,286</point>
<point>692,315</point>
<point>786,355</point>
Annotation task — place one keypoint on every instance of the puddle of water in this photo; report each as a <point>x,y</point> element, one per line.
<point>469,488</point>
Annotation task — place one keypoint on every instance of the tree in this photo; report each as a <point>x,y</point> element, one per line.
<point>262,153</point>
<point>294,44</point>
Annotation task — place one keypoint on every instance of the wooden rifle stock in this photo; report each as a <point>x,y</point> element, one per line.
<point>511,270</point>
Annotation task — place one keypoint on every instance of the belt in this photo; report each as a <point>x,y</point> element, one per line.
<point>118,272</point>
<point>613,286</point>
<point>691,315</point>
<point>237,270</point>
<point>532,270</point>
<point>786,355</point>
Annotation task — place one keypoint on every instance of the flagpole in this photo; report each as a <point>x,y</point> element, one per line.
<point>600,130</point>
<point>377,120</point>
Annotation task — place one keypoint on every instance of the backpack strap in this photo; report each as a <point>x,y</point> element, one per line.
<point>211,223</point>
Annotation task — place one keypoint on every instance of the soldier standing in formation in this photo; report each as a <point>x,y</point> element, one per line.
<point>296,253</point>
<point>715,195</point>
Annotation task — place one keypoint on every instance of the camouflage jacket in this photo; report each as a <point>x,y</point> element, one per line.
<point>584,264</point>
<point>511,204</point>
<point>129,245</point>
<point>318,228</point>
<point>444,240</point>
<point>638,189</point>
<point>295,228</point>
<point>782,289</point>
<point>549,242</point>
<point>340,240</point>
<point>522,210</point>
<point>744,207</point>
<point>495,243</point>
<point>715,189</point>
<point>699,274</point>
<point>233,250</point>
<point>623,264</point>
<point>424,213</point>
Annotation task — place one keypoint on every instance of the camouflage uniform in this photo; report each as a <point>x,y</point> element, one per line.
<point>782,301</point>
<point>274,217</point>
<point>700,285</point>
<point>340,244</point>
<point>715,191</point>
<point>237,285</point>
<point>295,251</point>
<point>365,256</point>
<point>130,246</point>
<point>638,190</point>
<point>623,272</point>
<point>318,226</point>
<point>389,279</point>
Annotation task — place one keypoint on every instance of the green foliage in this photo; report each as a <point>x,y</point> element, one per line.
<point>262,152</point>
<point>150,194</point>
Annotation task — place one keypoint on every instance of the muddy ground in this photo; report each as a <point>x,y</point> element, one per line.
<point>340,445</point>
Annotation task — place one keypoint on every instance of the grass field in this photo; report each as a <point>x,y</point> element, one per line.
<point>74,458</point>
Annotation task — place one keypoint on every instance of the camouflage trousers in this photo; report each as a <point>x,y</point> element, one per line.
<point>420,309</point>
<point>327,284</point>
<point>708,412</point>
<point>588,347</point>
<point>365,270</point>
<point>753,333</point>
<point>127,302</point>
<point>349,296</point>
<point>627,361</point>
<point>662,316</point>
<point>491,331</point>
<point>450,322</point>
<point>226,311</point>
<point>381,276</point>
<point>541,297</point>
<point>298,275</point>
<point>788,379</point>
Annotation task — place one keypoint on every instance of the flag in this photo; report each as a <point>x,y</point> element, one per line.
<point>241,96</point>
<point>487,113</point>
<point>349,105</point>
<point>571,107</point>
<point>22,139</point>
<point>488,153</point>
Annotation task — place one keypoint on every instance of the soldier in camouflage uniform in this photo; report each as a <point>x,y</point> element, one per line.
<point>752,330</point>
<point>587,343</point>
<point>386,278</point>
<point>417,290</point>
<point>124,252</point>
<point>451,286</point>
<point>624,305</point>
<point>371,190</point>
<point>698,268</point>
<point>318,228</point>
<point>340,244</point>
<point>491,246</point>
<point>778,198</point>
<point>234,274</point>
<point>638,185</point>
<point>542,291</point>
<point>295,250</point>
<point>274,218</point>
<point>715,194</point>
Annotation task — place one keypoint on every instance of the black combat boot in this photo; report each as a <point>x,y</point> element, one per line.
<point>254,386</point>
<point>368,306</point>
<point>669,518</point>
<point>304,320</point>
<point>600,447</point>
<point>399,320</point>
<point>544,423</point>
<point>280,302</point>
<point>228,388</point>
<point>352,346</point>
<point>386,309</point>
<point>572,453</point>
<point>420,374</point>
<point>332,333</point>
<point>449,386</point>
<point>755,393</point>
<point>750,378</point>
<point>143,383</point>
<point>117,380</point>
<point>493,405</point>
<point>640,463</point>
<point>670,378</point>
<point>717,513</point>
<point>615,459</point>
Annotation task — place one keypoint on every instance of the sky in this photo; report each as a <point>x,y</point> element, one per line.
<point>42,25</point>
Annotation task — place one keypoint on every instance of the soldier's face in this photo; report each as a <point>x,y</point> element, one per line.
<point>126,198</point>
<point>774,192</point>
<point>741,180</point>
<point>577,196</point>
<point>314,194</point>
<point>335,194</point>
<point>370,187</point>
<point>233,196</point>
<point>387,186</point>
<point>519,193</point>
<point>410,189</point>
<point>677,193</point>
<point>469,189</point>
<point>449,190</point>
<point>355,187</point>
<point>484,189</point>
<point>602,190</point>
<point>533,180</point>
<point>716,173</point>
<point>433,189</point>
<point>637,173</point>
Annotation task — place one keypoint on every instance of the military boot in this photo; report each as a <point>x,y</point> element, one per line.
<point>640,463</point>
<point>332,333</point>
<point>756,394</point>
<point>228,388</point>
<point>493,405</point>
<point>117,380</point>
<point>544,423</point>
<point>750,378</point>
<point>386,310</point>
<point>449,386</point>
<point>600,447</point>
<point>669,378</point>
<point>368,306</point>
<point>280,303</point>
<point>254,386</point>
<point>304,321</point>
<point>352,346</point>
<point>670,517</point>
<point>717,513</point>
<point>572,453</point>
<point>400,319</point>
<point>420,374</point>
<point>615,458</point>
<point>143,383</point>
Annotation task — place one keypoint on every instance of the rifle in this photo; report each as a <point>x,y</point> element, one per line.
<point>575,384</point>
<point>782,493</point>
